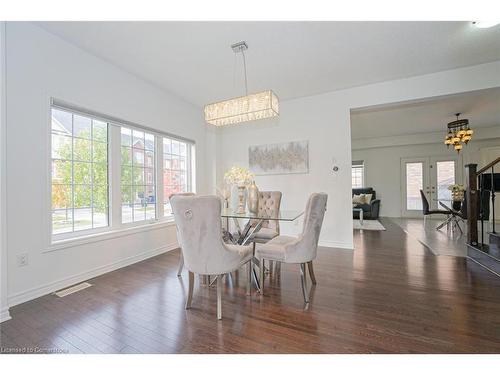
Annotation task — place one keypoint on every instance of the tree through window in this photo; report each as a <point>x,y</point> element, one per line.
<point>79,172</point>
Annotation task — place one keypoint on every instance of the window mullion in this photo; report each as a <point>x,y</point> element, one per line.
<point>191,163</point>
<point>160,199</point>
<point>114,163</point>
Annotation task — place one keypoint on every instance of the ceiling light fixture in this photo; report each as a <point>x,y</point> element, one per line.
<point>485,24</point>
<point>250,107</point>
<point>459,133</point>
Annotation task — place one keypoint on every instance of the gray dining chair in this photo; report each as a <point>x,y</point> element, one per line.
<point>198,220</point>
<point>181,260</point>
<point>269,205</point>
<point>298,250</point>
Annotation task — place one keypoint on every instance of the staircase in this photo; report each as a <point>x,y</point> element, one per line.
<point>482,185</point>
<point>489,254</point>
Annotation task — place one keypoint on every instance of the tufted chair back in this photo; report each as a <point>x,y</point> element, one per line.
<point>200,235</point>
<point>181,195</point>
<point>269,205</point>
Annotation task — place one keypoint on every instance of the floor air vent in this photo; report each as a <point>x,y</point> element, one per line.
<point>73,289</point>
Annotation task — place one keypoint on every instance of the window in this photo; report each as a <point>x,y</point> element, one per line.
<point>358,171</point>
<point>138,188</point>
<point>175,167</point>
<point>79,172</point>
<point>414,183</point>
<point>146,168</point>
<point>445,171</point>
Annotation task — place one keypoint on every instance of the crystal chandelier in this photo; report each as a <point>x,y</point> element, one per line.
<point>459,133</point>
<point>250,107</point>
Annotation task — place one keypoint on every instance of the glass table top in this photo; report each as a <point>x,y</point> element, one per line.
<point>284,215</point>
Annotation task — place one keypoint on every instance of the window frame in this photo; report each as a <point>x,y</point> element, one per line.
<point>155,170</point>
<point>189,171</point>
<point>84,232</point>
<point>114,175</point>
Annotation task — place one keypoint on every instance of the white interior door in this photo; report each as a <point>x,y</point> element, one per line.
<point>414,177</point>
<point>443,172</point>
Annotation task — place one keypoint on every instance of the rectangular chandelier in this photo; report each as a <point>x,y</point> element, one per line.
<point>251,107</point>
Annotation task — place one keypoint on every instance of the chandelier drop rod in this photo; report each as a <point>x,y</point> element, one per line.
<point>245,69</point>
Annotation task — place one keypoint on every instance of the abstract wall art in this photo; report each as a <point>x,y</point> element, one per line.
<point>281,158</point>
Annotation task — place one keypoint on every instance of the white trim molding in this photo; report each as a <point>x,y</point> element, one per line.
<point>4,308</point>
<point>108,235</point>
<point>4,315</point>
<point>30,294</point>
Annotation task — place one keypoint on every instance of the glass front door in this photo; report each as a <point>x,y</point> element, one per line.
<point>432,175</point>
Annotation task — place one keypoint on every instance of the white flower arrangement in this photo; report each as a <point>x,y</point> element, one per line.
<point>456,187</point>
<point>238,176</point>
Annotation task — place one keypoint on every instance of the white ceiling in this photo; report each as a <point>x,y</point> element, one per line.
<point>482,108</point>
<point>194,60</point>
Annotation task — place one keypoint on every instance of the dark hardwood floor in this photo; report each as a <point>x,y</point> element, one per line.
<point>391,295</point>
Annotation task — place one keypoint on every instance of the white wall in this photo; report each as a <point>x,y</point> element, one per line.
<point>324,121</point>
<point>41,66</point>
<point>383,164</point>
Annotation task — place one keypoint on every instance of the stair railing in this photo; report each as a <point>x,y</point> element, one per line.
<point>483,178</point>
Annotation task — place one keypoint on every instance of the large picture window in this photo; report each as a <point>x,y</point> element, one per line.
<point>144,167</point>
<point>137,175</point>
<point>79,172</point>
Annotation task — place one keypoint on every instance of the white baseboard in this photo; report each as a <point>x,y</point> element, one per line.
<point>336,244</point>
<point>28,295</point>
<point>4,315</point>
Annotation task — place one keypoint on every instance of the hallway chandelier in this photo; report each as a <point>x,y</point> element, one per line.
<point>459,133</point>
<point>258,106</point>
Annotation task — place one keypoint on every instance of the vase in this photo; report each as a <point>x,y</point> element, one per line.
<point>233,199</point>
<point>253,198</point>
<point>241,200</point>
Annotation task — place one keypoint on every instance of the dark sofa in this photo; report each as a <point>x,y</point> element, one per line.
<point>370,211</point>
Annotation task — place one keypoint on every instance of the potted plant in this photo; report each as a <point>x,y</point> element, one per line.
<point>457,192</point>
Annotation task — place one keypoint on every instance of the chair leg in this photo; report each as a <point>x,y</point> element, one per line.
<point>311,272</point>
<point>219,297</point>
<point>249,277</point>
<point>262,275</point>
<point>190,290</point>
<point>304,282</point>
<point>181,265</point>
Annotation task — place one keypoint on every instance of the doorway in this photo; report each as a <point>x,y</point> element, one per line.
<point>432,175</point>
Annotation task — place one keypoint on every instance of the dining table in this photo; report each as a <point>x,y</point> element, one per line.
<point>253,223</point>
<point>447,204</point>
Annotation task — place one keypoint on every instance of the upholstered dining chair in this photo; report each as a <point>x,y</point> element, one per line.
<point>299,250</point>
<point>269,205</point>
<point>181,260</point>
<point>198,220</point>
